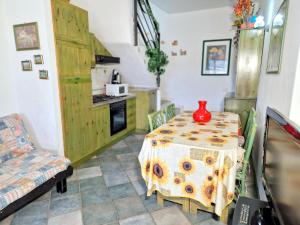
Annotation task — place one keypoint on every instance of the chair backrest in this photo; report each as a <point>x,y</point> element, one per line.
<point>249,143</point>
<point>170,112</point>
<point>156,120</point>
<point>251,118</point>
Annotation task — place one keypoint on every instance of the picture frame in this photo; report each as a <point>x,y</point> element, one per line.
<point>26,36</point>
<point>216,56</point>
<point>277,33</point>
<point>38,59</point>
<point>26,65</point>
<point>43,74</point>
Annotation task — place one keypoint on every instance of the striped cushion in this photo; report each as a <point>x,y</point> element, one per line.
<point>20,175</point>
<point>14,138</point>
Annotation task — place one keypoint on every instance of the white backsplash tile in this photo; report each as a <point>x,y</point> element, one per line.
<point>100,77</point>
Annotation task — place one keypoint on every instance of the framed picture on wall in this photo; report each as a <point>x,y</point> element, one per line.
<point>38,59</point>
<point>43,74</point>
<point>26,36</point>
<point>277,39</point>
<point>216,57</point>
<point>26,65</point>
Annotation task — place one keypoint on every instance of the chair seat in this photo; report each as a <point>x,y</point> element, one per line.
<point>21,175</point>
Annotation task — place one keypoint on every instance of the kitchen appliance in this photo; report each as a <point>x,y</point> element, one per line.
<point>115,77</point>
<point>117,90</point>
<point>118,120</point>
<point>102,59</point>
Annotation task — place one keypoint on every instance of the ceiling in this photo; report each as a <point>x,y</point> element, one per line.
<point>178,6</point>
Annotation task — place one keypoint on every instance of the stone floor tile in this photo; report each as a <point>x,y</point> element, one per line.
<point>140,137</point>
<point>170,216</point>
<point>89,172</point>
<point>122,191</point>
<point>136,146</point>
<point>120,144</point>
<point>36,209</point>
<point>93,162</point>
<point>210,222</point>
<point>72,188</point>
<point>150,203</point>
<point>128,207</point>
<point>100,214</point>
<point>44,197</point>
<point>140,186</point>
<point>144,219</point>
<point>110,164</point>
<point>64,205</point>
<point>92,183</point>
<point>7,220</point>
<point>105,153</point>
<point>130,139</point>
<point>73,218</point>
<point>200,217</point>
<point>134,174</point>
<point>115,178</point>
<point>128,161</point>
<point>29,221</point>
<point>94,197</point>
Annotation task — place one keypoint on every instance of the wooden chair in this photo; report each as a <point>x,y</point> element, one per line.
<point>242,173</point>
<point>170,112</point>
<point>251,118</point>
<point>156,120</point>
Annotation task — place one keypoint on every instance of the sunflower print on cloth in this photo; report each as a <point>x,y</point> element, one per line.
<point>160,172</point>
<point>207,156</point>
<point>189,189</point>
<point>183,158</point>
<point>187,166</point>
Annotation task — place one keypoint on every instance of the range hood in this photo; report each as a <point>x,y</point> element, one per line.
<point>103,60</point>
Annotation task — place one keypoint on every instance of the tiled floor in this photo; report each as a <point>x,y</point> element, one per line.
<point>107,189</point>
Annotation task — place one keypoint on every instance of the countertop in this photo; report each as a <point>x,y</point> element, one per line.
<point>137,89</point>
<point>129,96</point>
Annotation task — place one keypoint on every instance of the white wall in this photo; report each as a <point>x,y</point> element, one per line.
<point>8,94</point>
<point>276,90</point>
<point>183,83</point>
<point>37,100</point>
<point>110,20</point>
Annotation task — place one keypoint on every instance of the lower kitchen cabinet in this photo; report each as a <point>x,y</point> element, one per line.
<point>145,104</point>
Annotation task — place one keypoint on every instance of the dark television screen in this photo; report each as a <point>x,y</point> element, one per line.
<point>282,167</point>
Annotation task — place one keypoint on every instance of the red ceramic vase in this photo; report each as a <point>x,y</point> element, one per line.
<point>202,115</point>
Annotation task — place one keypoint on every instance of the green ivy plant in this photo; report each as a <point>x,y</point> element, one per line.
<point>158,60</point>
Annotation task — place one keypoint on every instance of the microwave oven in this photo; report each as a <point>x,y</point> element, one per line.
<point>117,90</point>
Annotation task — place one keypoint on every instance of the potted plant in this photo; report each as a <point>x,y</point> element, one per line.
<point>157,62</point>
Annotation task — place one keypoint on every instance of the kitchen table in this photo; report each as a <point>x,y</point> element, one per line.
<point>192,160</point>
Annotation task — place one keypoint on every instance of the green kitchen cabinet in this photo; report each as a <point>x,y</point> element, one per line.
<point>145,104</point>
<point>250,50</point>
<point>70,22</point>
<point>241,106</point>
<point>96,48</point>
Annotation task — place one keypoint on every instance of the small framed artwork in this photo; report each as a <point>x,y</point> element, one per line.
<point>38,59</point>
<point>26,36</point>
<point>26,65</point>
<point>216,57</point>
<point>43,74</point>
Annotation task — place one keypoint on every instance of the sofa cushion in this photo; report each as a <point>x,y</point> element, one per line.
<point>14,138</point>
<point>19,176</point>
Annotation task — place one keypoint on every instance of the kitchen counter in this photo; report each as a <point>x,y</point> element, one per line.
<point>129,96</point>
<point>145,89</point>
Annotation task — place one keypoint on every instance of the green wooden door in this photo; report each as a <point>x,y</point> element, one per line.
<point>76,120</point>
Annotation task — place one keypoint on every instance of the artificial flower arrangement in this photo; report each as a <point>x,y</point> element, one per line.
<point>244,14</point>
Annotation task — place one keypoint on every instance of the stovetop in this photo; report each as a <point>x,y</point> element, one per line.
<point>103,98</point>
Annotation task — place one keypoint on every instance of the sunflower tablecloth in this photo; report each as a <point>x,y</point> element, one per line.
<point>184,158</point>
